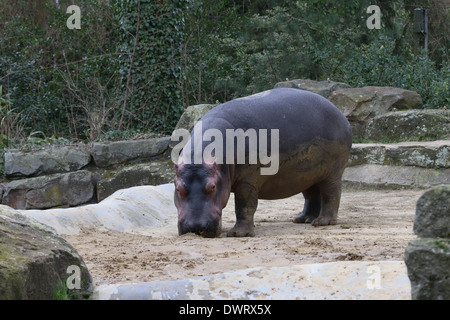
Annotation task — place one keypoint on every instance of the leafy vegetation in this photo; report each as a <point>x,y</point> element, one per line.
<point>264,42</point>
<point>135,65</point>
<point>61,292</point>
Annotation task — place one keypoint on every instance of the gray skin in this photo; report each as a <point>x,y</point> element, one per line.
<point>314,147</point>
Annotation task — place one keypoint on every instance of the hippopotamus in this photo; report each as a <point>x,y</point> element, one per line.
<point>310,151</point>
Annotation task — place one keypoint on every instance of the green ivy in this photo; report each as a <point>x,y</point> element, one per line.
<point>150,63</point>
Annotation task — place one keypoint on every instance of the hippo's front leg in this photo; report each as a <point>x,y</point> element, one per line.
<point>246,201</point>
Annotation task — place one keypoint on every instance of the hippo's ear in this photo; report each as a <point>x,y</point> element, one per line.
<point>179,165</point>
<point>213,167</point>
<point>176,167</point>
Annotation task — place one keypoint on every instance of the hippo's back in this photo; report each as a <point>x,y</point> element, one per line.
<point>300,116</point>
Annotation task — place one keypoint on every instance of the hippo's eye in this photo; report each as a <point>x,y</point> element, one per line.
<point>181,190</point>
<point>210,188</point>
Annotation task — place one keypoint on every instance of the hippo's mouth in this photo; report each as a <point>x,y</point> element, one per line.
<point>207,232</point>
<point>213,232</point>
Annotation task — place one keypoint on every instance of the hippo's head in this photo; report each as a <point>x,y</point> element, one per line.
<point>201,192</point>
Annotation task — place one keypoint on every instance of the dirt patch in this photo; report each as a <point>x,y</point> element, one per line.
<point>372,225</point>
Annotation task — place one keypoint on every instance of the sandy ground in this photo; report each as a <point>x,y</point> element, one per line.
<point>372,225</point>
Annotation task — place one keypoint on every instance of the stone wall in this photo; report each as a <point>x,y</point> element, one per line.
<point>79,174</point>
<point>398,166</point>
<point>61,176</point>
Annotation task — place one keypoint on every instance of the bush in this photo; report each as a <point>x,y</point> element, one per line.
<point>53,74</point>
<point>253,45</point>
<point>375,64</point>
<point>9,121</point>
<point>82,83</point>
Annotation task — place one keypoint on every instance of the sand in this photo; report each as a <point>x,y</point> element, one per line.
<point>372,226</point>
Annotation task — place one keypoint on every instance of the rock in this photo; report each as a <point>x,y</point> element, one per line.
<point>154,173</point>
<point>143,210</point>
<point>114,153</point>
<point>433,214</point>
<point>406,125</point>
<point>363,104</point>
<point>428,264</point>
<point>359,130</point>
<point>428,257</point>
<point>324,88</point>
<point>45,161</point>
<point>190,116</point>
<point>322,281</point>
<point>35,261</point>
<point>60,189</point>
<point>394,177</point>
<point>434,154</point>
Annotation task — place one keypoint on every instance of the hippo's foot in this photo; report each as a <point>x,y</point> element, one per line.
<point>304,218</point>
<point>314,220</point>
<point>242,230</point>
<point>312,207</point>
<point>323,221</point>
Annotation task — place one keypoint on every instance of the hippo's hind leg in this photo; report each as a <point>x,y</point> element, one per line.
<point>311,209</point>
<point>246,201</point>
<point>330,194</point>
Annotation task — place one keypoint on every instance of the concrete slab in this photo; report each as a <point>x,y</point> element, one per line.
<point>361,280</point>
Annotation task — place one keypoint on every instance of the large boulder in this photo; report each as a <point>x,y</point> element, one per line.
<point>428,262</point>
<point>60,189</point>
<point>35,263</point>
<point>412,124</point>
<point>56,159</point>
<point>154,173</point>
<point>363,104</point>
<point>433,214</point>
<point>114,153</point>
<point>324,88</point>
<point>428,257</point>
